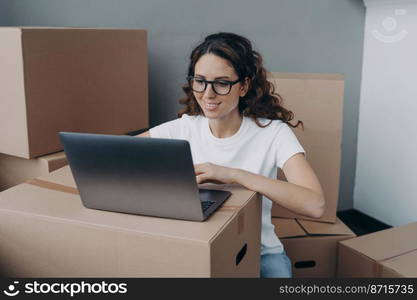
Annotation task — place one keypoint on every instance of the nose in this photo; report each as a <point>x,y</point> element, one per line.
<point>209,92</point>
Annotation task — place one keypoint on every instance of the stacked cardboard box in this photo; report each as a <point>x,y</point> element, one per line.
<point>326,247</point>
<point>46,232</point>
<point>387,253</point>
<point>312,246</point>
<point>317,100</point>
<point>66,79</point>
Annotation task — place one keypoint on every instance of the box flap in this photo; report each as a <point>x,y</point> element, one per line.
<point>317,228</point>
<point>404,265</point>
<point>287,228</point>
<point>55,160</point>
<point>387,243</point>
<point>61,176</point>
<point>15,170</point>
<point>53,156</point>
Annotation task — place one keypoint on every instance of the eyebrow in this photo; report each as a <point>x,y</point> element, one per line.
<point>221,77</point>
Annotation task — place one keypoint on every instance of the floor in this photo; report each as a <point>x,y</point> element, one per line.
<point>361,223</point>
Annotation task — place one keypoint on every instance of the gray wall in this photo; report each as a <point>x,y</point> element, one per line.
<point>4,12</point>
<point>293,36</point>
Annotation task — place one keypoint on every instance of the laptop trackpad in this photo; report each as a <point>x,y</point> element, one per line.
<point>213,195</point>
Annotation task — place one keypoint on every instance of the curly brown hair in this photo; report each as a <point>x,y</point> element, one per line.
<point>261,100</point>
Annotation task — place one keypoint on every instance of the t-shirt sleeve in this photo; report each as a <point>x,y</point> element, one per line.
<point>174,129</point>
<point>287,145</point>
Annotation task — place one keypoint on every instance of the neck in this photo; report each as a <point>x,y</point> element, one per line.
<point>225,127</point>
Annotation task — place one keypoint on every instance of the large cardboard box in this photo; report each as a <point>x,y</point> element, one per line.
<point>311,246</point>
<point>317,100</point>
<point>69,79</point>
<point>386,253</point>
<point>46,232</point>
<point>15,170</point>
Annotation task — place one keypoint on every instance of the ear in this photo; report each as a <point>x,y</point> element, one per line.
<point>244,87</point>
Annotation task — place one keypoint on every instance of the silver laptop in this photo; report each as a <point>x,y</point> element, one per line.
<point>146,176</point>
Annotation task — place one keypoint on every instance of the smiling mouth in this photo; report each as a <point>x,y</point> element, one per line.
<point>211,105</point>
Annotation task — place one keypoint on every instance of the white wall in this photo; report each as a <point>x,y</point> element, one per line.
<point>386,170</point>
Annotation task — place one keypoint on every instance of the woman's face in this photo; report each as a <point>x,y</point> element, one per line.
<point>212,67</point>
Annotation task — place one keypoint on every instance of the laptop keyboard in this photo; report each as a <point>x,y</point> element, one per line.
<point>206,204</point>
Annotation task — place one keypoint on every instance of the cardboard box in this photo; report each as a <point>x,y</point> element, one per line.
<point>317,100</point>
<point>46,232</point>
<point>400,266</point>
<point>311,246</point>
<point>15,170</point>
<point>69,79</point>
<point>386,253</point>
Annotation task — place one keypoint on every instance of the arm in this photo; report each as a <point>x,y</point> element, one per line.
<point>302,193</point>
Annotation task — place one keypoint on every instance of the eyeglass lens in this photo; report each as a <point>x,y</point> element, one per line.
<point>220,87</point>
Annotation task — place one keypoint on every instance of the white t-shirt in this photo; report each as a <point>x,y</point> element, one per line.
<point>251,148</point>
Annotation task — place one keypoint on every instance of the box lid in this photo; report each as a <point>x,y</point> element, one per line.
<point>317,228</point>
<point>286,228</point>
<point>386,244</point>
<point>51,203</point>
<point>290,228</point>
<point>54,160</point>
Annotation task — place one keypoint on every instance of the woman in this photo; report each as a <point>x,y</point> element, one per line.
<point>239,133</point>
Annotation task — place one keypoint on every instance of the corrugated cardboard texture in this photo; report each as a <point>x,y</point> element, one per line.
<point>317,228</point>
<point>317,100</point>
<point>363,256</point>
<point>73,241</point>
<point>15,170</point>
<point>311,246</point>
<point>82,80</point>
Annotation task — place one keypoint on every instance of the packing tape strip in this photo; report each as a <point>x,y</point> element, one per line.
<point>53,186</point>
<point>229,208</point>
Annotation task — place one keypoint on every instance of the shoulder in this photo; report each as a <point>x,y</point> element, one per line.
<point>270,126</point>
<point>191,120</point>
<point>176,128</point>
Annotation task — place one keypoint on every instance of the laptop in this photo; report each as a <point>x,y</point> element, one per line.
<point>138,175</point>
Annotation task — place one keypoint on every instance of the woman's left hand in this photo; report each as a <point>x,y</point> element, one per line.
<point>208,172</point>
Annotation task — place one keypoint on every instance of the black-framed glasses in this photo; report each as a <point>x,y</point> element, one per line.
<point>220,87</point>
